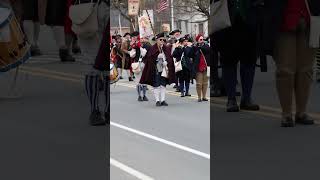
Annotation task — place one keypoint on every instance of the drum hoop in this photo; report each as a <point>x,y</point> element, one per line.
<point>21,61</point>
<point>7,21</point>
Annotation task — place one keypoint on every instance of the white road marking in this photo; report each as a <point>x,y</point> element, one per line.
<point>175,145</point>
<point>129,170</point>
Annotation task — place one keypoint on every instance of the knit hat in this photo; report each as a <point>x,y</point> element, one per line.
<point>198,37</point>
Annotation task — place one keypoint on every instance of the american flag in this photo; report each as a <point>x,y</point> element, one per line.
<point>163,5</point>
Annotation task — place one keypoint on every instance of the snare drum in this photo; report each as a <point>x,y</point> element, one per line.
<point>14,49</point>
<point>114,75</point>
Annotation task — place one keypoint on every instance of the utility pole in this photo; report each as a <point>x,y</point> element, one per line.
<point>172,18</point>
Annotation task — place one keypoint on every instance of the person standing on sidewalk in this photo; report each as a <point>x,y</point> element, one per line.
<point>238,43</point>
<point>200,67</point>
<point>288,37</point>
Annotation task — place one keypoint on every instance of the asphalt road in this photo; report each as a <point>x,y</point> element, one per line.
<point>250,145</point>
<point>45,134</point>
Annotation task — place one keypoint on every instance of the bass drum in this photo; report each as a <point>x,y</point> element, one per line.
<point>114,75</point>
<point>14,49</point>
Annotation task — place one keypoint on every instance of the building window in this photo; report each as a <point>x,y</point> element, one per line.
<point>179,24</point>
<point>201,30</point>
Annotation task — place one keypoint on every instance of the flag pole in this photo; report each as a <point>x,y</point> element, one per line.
<point>150,22</point>
<point>120,27</point>
<point>172,18</point>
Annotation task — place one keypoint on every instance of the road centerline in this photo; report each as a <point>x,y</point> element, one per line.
<point>161,140</point>
<point>130,170</point>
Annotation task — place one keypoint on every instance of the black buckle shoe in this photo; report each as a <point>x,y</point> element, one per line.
<point>187,94</point>
<point>140,98</point>
<point>107,117</point>
<point>96,119</point>
<point>35,51</point>
<point>145,98</point>
<point>164,103</point>
<point>182,95</point>
<point>65,56</point>
<point>158,103</point>
<point>249,106</point>
<point>205,99</point>
<point>304,120</point>
<point>232,106</point>
<point>287,122</point>
<point>130,79</point>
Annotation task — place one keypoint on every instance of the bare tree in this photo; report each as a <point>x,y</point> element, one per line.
<point>194,7</point>
<point>183,6</point>
<point>122,7</point>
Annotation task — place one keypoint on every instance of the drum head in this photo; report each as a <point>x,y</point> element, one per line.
<point>111,66</point>
<point>4,15</point>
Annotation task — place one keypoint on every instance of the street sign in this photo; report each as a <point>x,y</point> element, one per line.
<point>166,28</point>
<point>133,7</point>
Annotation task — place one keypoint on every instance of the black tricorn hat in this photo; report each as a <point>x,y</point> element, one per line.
<point>175,31</point>
<point>136,33</point>
<point>160,35</point>
<point>118,36</point>
<point>182,39</point>
<point>126,34</point>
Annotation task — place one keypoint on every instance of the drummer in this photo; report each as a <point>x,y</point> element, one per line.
<point>126,63</point>
<point>136,45</point>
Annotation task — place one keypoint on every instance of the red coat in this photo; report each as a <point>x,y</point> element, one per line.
<point>295,10</point>
<point>68,22</point>
<point>149,70</point>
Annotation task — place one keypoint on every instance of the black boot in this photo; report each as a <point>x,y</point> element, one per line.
<point>96,119</point>
<point>304,119</point>
<point>65,56</point>
<point>164,103</point>
<point>287,122</point>
<point>107,117</point>
<point>35,51</point>
<point>76,50</point>
<point>145,98</point>
<point>232,106</point>
<point>249,105</point>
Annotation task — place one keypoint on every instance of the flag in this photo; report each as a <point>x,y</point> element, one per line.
<point>163,5</point>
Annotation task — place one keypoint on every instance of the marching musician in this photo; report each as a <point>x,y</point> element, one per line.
<point>159,69</point>
<point>184,54</point>
<point>173,43</point>
<point>126,63</point>
<point>139,53</point>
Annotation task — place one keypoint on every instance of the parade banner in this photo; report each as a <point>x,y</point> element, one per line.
<point>145,26</point>
<point>133,7</point>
